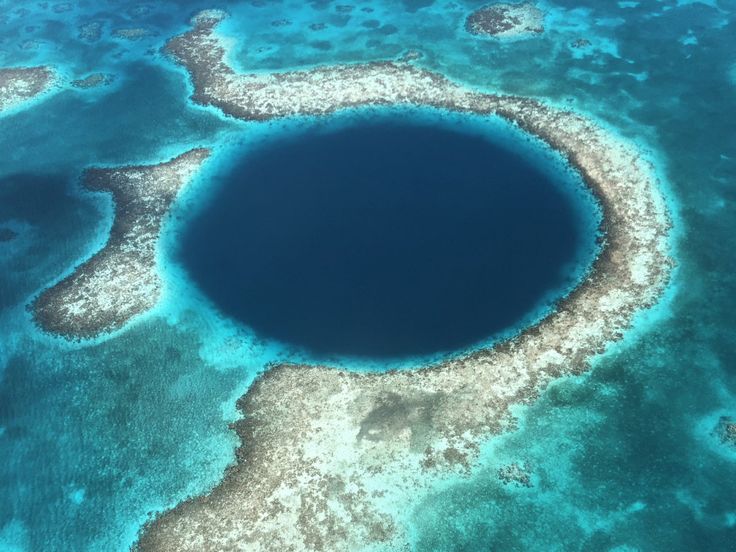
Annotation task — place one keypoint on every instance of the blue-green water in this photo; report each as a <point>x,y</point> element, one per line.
<point>93,437</point>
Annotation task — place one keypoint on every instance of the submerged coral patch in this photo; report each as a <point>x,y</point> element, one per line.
<point>506,21</point>
<point>92,81</point>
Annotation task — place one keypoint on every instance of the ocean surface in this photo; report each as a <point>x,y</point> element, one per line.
<point>97,436</point>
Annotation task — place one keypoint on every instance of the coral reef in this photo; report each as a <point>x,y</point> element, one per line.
<point>506,21</point>
<point>329,456</point>
<point>119,281</point>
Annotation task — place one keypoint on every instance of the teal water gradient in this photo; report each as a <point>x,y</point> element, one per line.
<point>94,437</point>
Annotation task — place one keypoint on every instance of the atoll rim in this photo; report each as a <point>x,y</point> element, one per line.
<point>407,424</point>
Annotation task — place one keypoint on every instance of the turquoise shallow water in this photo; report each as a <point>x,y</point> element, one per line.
<point>94,437</point>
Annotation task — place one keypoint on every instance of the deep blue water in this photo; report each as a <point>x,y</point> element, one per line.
<point>388,238</point>
<point>93,437</point>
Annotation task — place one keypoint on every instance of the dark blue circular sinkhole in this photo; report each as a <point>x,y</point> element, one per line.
<point>388,238</point>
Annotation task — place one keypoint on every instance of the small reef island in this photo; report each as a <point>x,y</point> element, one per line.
<point>6,235</point>
<point>92,81</point>
<point>21,84</point>
<point>328,456</point>
<point>506,21</point>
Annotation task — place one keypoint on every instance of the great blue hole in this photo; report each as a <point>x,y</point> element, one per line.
<point>391,237</point>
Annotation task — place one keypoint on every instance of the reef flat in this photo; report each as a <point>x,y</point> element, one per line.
<point>506,21</point>
<point>119,281</point>
<point>21,84</point>
<point>329,456</point>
